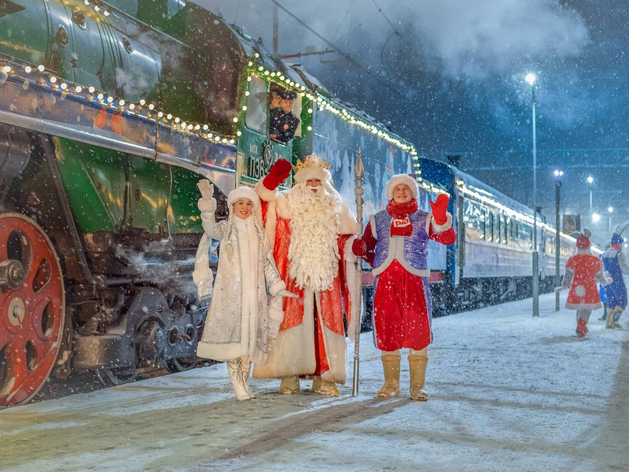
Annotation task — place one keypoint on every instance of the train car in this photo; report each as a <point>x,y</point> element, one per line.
<point>110,113</point>
<point>492,258</point>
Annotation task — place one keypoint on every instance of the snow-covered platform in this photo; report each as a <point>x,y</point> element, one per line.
<point>508,392</point>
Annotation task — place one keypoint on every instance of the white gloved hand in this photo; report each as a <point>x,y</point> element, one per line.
<point>286,293</point>
<point>206,188</point>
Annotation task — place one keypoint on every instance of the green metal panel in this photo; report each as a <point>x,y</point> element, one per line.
<point>183,214</point>
<point>149,195</point>
<point>89,54</point>
<point>17,40</point>
<point>94,179</point>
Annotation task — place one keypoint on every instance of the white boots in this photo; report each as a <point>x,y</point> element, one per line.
<point>239,370</point>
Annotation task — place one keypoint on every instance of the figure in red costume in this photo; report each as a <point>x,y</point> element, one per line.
<point>582,271</point>
<point>395,244</point>
<point>311,231</point>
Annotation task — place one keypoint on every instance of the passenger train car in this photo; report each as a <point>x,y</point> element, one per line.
<point>492,258</point>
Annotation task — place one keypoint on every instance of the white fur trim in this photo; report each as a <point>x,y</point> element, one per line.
<point>336,350</point>
<point>264,193</point>
<point>584,250</point>
<point>308,173</point>
<point>352,285</point>
<point>372,223</point>
<point>583,306</point>
<point>401,179</point>
<point>207,206</point>
<point>243,192</point>
<point>347,221</point>
<point>281,205</point>
<point>441,228</point>
<point>293,352</point>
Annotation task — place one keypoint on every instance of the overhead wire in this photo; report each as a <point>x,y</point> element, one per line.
<point>342,53</point>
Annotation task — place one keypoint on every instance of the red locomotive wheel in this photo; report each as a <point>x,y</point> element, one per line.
<point>32,308</point>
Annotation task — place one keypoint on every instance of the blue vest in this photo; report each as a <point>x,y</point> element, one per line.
<point>414,256</point>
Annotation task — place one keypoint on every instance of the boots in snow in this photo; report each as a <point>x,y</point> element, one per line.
<point>582,329</point>
<point>235,377</point>
<point>391,368</point>
<point>325,387</point>
<point>245,368</point>
<point>289,385</point>
<point>417,367</point>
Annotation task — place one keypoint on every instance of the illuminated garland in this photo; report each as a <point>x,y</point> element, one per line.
<point>333,107</point>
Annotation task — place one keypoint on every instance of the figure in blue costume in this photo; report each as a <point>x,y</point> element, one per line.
<point>615,263</point>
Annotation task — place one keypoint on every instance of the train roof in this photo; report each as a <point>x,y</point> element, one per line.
<point>476,186</point>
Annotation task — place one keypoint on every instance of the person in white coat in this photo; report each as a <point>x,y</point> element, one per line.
<point>246,310</point>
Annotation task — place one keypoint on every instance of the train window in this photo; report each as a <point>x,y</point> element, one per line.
<point>498,227</point>
<point>483,224</point>
<point>505,229</point>
<point>490,230</point>
<point>257,105</point>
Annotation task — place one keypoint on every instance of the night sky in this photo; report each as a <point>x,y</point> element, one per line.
<point>449,76</point>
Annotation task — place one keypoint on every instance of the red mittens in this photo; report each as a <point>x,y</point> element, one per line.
<point>439,209</point>
<point>278,174</point>
<point>359,247</point>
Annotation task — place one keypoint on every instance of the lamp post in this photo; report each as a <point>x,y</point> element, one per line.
<point>531,78</point>
<point>610,210</point>
<point>558,175</point>
<point>590,180</point>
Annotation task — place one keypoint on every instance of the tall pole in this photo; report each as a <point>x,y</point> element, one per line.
<point>557,242</point>
<point>275,30</point>
<point>590,198</point>
<point>535,253</point>
<point>359,173</point>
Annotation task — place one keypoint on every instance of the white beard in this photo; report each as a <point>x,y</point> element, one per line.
<point>313,253</point>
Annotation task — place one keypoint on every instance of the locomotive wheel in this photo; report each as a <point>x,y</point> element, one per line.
<point>116,376</point>
<point>32,308</point>
<point>182,364</point>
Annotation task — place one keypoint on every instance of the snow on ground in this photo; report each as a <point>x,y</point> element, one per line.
<point>508,392</point>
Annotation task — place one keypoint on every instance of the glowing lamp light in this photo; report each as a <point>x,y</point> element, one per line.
<point>64,86</point>
<point>53,79</point>
<point>142,102</point>
<point>558,173</point>
<point>28,69</point>
<point>530,78</point>
<point>610,209</point>
<point>78,89</point>
<point>151,106</point>
<point>590,180</point>
<point>177,120</point>
<point>110,99</point>
<point>132,106</point>
<point>100,96</point>
<point>235,119</point>
<point>91,89</point>
<point>205,127</point>
<point>40,68</point>
<point>596,217</point>
<point>121,103</point>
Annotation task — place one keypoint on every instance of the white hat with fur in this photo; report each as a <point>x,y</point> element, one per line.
<point>402,179</point>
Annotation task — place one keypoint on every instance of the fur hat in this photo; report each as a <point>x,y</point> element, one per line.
<point>583,238</point>
<point>243,192</point>
<point>402,179</point>
<point>312,167</point>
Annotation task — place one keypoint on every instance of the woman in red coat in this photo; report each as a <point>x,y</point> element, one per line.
<point>582,271</point>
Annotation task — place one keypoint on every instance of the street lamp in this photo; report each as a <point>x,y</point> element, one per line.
<point>610,210</point>
<point>531,78</point>
<point>596,217</point>
<point>590,180</point>
<point>558,175</point>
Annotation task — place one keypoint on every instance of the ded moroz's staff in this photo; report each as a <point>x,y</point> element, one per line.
<point>359,173</point>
